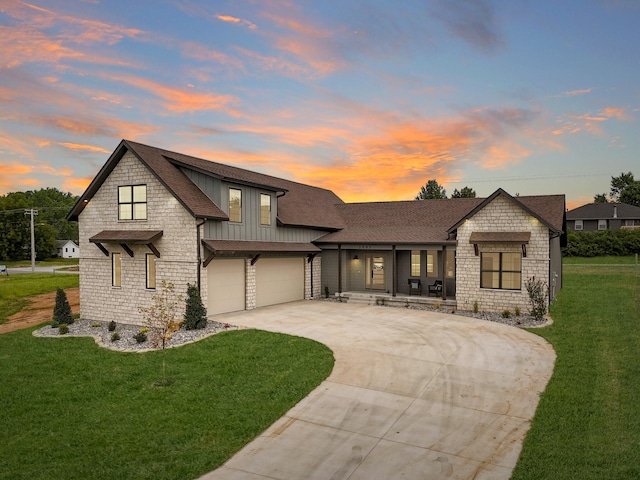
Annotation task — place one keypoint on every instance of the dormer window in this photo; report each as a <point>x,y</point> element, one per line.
<point>235,205</point>
<point>132,202</point>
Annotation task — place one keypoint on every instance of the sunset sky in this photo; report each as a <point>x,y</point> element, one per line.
<point>369,98</point>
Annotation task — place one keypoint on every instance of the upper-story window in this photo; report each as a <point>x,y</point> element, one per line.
<point>265,209</point>
<point>602,224</point>
<point>132,202</point>
<point>235,205</point>
<point>578,225</point>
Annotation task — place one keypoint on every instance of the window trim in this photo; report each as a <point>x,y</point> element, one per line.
<point>602,224</point>
<point>132,203</point>
<point>578,222</point>
<point>239,207</point>
<point>434,273</point>
<point>116,269</point>
<point>151,281</point>
<point>501,271</point>
<point>265,196</point>
<point>415,267</point>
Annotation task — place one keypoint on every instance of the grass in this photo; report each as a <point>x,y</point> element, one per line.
<point>15,289</point>
<point>587,425</point>
<point>73,410</point>
<point>50,262</point>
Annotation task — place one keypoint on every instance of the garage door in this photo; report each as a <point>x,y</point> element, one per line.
<point>226,286</point>
<point>279,280</point>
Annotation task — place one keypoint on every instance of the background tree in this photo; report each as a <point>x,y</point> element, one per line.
<point>625,189</point>
<point>600,198</point>
<point>466,192</point>
<point>431,190</point>
<point>51,223</point>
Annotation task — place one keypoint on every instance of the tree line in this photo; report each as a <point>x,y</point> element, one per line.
<point>50,224</point>
<point>624,189</point>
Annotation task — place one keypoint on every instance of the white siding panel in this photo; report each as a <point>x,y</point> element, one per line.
<point>279,280</point>
<point>226,286</point>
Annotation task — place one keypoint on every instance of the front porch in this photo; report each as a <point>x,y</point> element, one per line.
<point>399,300</point>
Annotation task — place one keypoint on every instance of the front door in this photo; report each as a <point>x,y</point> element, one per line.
<point>375,273</point>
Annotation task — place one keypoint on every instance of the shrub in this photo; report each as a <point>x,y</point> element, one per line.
<point>63,329</point>
<point>517,311</point>
<point>160,316</point>
<point>537,290</point>
<point>195,315</point>
<point>326,291</point>
<point>111,326</point>
<point>115,336</point>
<point>506,314</point>
<point>95,325</point>
<point>140,337</point>
<point>602,243</point>
<point>62,310</point>
<point>475,307</point>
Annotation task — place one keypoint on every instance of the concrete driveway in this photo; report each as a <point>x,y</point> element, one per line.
<point>413,395</point>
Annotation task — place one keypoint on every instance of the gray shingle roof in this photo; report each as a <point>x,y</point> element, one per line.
<point>602,211</point>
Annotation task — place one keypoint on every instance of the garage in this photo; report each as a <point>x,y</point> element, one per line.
<point>226,286</point>
<point>279,280</point>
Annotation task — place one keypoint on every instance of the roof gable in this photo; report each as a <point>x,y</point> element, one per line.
<point>548,209</point>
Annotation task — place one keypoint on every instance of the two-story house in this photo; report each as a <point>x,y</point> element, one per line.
<point>603,216</point>
<point>249,240</point>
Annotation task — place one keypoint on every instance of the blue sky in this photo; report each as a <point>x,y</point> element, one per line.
<point>370,99</point>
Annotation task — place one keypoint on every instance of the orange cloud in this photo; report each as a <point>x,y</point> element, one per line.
<point>12,177</point>
<point>237,21</point>
<point>617,113</point>
<point>201,53</point>
<point>181,100</point>
<point>85,148</point>
<point>76,184</point>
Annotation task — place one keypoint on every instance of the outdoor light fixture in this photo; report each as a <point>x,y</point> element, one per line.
<point>355,257</point>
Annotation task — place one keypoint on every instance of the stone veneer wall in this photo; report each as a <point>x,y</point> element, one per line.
<point>250,285</point>
<point>317,278</point>
<point>99,301</point>
<point>501,215</point>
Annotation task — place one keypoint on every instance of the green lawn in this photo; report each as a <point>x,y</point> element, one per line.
<point>15,289</point>
<point>73,410</point>
<point>587,425</point>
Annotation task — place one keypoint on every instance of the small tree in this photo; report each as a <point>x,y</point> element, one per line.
<point>431,190</point>
<point>160,317</point>
<point>537,290</point>
<point>195,315</point>
<point>62,309</point>
<point>466,192</point>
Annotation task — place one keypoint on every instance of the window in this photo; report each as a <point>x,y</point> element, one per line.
<point>451,264</point>
<point>116,270</point>
<point>151,270</point>
<point>132,202</point>
<point>432,263</point>
<point>415,263</point>
<point>265,209</point>
<point>578,225</point>
<point>66,249</point>
<point>629,223</point>
<point>501,270</point>
<point>235,205</point>
<point>602,224</point>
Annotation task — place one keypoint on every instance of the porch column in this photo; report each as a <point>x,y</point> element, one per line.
<point>394,271</point>
<point>444,272</point>
<point>339,268</point>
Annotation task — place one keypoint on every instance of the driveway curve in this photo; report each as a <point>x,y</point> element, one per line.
<point>413,394</point>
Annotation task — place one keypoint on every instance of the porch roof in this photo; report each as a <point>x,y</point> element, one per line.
<point>500,237</point>
<point>126,236</point>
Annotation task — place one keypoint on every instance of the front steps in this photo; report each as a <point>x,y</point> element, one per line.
<point>378,298</point>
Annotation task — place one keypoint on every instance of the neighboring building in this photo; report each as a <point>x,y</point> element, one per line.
<point>68,249</point>
<point>603,216</point>
<point>249,240</point>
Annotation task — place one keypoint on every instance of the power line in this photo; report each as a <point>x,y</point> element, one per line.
<point>544,177</point>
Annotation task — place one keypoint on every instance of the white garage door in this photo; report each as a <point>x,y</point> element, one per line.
<point>226,286</point>
<point>279,280</point>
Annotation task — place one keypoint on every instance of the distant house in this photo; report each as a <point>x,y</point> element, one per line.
<point>68,249</point>
<point>603,216</point>
<point>249,240</point>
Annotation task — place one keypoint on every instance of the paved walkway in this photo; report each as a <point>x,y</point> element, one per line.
<point>413,394</point>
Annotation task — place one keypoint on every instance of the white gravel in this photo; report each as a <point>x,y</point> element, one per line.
<point>85,328</point>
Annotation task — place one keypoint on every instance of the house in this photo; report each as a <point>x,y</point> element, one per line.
<point>603,216</point>
<point>67,249</point>
<point>249,240</point>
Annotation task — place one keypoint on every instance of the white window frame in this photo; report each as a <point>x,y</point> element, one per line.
<point>602,224</point>
<point>578,225</point>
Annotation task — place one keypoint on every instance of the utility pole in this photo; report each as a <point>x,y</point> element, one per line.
<point>33,213</point>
